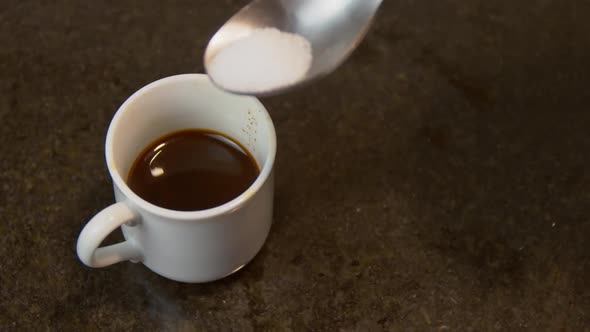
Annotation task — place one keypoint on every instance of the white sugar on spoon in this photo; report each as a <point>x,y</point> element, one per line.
<point>266,59</point>
<point>332,28</point>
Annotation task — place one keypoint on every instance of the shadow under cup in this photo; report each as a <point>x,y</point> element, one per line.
<point>202,245</point>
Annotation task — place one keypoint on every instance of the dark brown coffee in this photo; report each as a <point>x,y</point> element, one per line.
<point>192,170</point>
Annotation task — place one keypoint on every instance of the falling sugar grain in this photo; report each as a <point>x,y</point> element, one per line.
<point>267,59</point>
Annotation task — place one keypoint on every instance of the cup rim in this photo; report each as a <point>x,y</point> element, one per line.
<point>227,207</point>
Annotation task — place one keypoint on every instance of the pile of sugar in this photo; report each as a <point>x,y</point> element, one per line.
<point>265,60</point>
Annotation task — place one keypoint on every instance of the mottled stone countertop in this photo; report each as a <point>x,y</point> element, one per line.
<point>438,181</point>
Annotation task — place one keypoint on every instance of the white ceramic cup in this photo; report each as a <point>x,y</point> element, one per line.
<point>197,246</point>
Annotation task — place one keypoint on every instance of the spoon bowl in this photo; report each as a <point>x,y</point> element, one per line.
<point>334,29</point>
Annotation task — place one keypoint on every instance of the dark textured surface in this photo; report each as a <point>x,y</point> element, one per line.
<point>438,181</point>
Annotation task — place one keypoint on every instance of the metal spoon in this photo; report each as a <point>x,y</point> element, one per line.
<point>334,29</point>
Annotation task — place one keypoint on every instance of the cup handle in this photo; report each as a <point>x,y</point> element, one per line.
<point>97,229</point>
